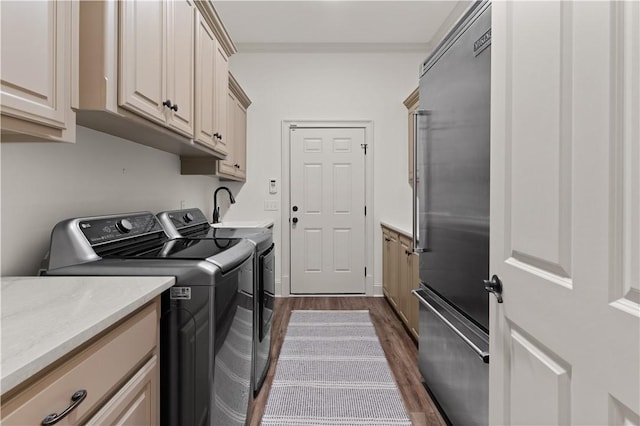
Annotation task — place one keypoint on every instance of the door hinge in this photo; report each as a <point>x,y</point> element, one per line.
<point>364,146</point>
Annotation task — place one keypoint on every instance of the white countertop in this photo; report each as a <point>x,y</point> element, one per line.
<point>44,318</point>
<point>266,223</point>
<point>406,232</point>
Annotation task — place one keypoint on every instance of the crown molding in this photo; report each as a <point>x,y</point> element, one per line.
<point>423,48</point>
<point>213,19</point>
<point>235,88</point>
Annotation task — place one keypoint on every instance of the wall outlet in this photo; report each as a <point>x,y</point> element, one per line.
<point>270,205</point>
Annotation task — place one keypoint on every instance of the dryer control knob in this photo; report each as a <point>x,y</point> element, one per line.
<point>124,226</point>
<point>188,217</point>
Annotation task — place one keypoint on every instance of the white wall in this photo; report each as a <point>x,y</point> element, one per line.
<point>325,86</point>
<point>43,183</point>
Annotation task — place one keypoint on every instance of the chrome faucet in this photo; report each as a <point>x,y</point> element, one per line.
<point>216,209</point>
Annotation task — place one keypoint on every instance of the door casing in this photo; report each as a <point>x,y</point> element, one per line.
<point>367,125</point>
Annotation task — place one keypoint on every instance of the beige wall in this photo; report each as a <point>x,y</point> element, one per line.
<point>325,86</point>
<point>100,174</point>
<point>43,183</point>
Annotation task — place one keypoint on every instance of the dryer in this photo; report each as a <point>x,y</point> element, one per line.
<point>193,224</point>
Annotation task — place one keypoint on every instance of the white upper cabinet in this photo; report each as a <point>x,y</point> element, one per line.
<point>39,55</point>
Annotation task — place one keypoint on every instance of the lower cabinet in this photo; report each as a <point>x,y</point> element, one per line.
<point>400,276</point>
<point>117,372</point>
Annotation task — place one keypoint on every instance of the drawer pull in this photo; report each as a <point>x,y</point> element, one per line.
<point>76,399</point>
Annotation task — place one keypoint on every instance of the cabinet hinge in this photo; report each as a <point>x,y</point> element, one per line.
<point>364,146</point>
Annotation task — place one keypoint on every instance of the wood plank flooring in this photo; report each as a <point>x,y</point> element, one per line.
<point>400,349</point>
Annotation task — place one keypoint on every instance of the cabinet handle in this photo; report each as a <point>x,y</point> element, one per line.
<point>168,104</point>
<point>237,166</point>
<point>216,135</point>
<point>387,239</point>
<point>174,107</point>
<point>76,399</point>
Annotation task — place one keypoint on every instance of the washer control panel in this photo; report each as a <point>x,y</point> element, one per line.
<point>104,230</point>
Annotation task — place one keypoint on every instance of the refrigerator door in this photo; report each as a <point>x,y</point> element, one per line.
<point>452,155</point>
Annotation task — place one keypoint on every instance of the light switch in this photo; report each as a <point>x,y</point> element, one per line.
<point>272,187</point>
<point>270,205</point>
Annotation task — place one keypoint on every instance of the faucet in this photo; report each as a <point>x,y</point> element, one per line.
<point>216,209</point>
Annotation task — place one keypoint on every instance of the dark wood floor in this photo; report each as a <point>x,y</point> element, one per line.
<point>400,349</point>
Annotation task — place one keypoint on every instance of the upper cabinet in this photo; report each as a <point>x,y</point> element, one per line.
<point>39,77</point>
<point>234,140</point>
<point>148,73</point>
<point>221,73</point>
<point>156,62</point>
<point>235,165</point>
<point>412,103</point>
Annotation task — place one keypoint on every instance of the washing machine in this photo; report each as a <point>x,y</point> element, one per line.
<point>206,324</point>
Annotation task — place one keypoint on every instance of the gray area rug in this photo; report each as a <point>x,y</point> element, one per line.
<point>333,371</point>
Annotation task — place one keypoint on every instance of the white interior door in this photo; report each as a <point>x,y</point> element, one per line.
<point>327,201</point>
<point>565,203</point>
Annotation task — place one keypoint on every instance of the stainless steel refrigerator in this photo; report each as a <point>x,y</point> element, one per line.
<point>451,218</point>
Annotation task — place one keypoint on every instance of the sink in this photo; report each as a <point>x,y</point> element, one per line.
<point>244,224</point>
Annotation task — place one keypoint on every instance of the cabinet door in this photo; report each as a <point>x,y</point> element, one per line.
<point>405,278</point>
<point>394,258</point>
<point>36,66</point>
<point>386,258</point>
<point>227,166</point>
<point>240,142</point>
<point>205,82</point>
<point>221,90</point>
<point>136,403</point>
<point>180,65</point>
<point>142,78</point>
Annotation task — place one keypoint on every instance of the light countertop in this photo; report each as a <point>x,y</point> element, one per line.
<point>44,318</point>
<point>399,229</point>
<point>266,223</point>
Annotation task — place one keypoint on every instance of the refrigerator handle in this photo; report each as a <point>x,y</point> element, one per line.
<point>481,353</point>
<point>417,248</point>
<point>414,239</point>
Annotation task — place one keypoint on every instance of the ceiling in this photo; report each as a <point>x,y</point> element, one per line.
<point>337,25</point>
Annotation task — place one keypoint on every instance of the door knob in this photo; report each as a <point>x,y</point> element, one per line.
<point>294,220</point>
<point>295,208</point>
<point>494,285</point>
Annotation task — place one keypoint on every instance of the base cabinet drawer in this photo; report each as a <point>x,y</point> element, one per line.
<point>104,368</point>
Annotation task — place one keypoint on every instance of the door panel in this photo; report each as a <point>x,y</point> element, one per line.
<point>227,165</point>
<point>34,77</point>
<point>142,76</point>
<point>564,213</point>
<point>204,75</point>
<point>220,97</point>
<point>327,187</point>
<point>180,65</point>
